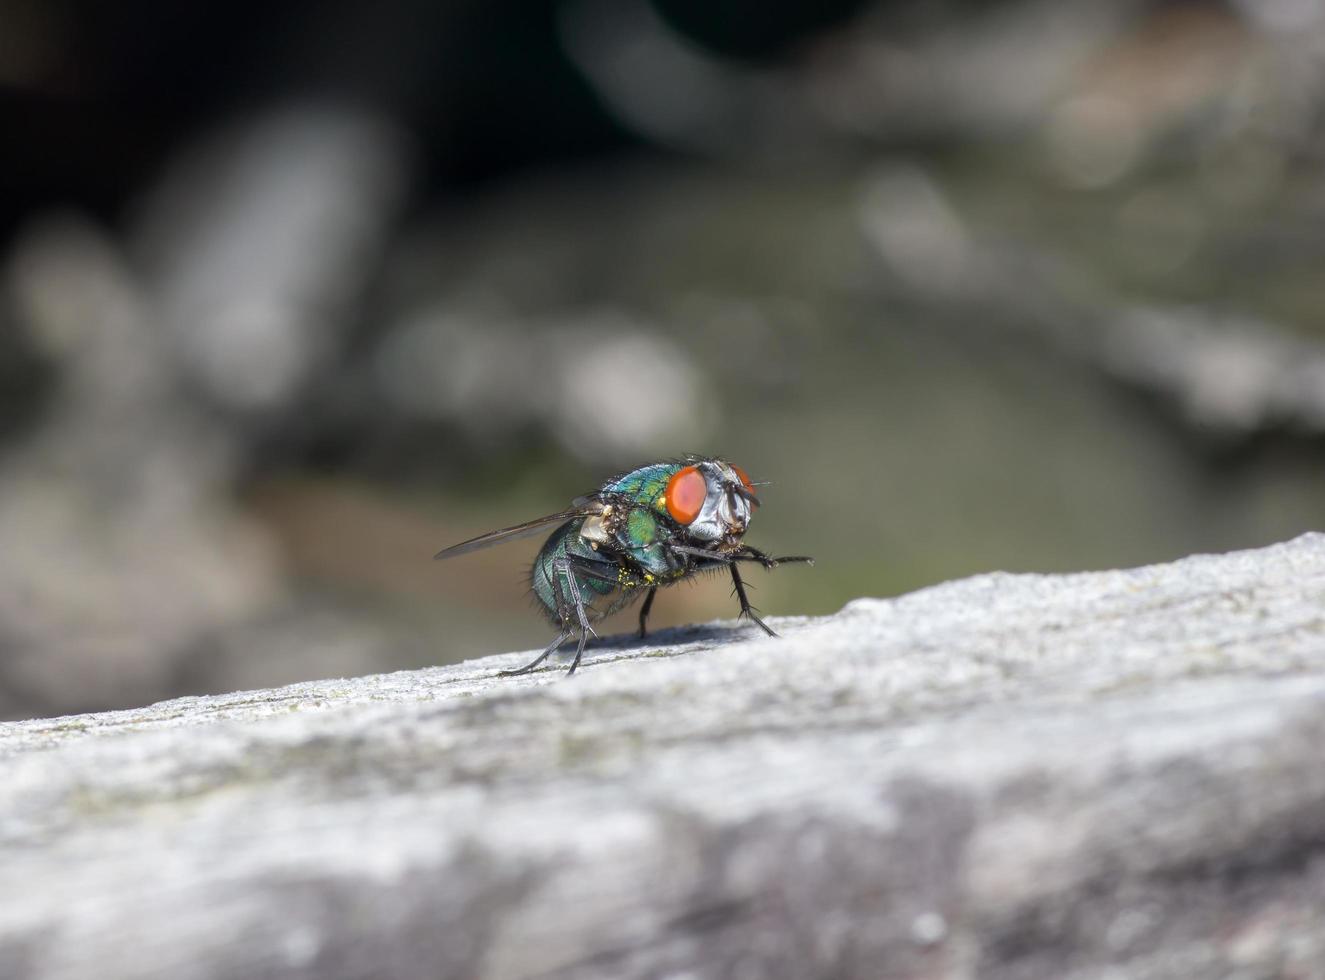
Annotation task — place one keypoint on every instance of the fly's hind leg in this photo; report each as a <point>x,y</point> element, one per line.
<point>563,568</point>
<point>571,615</point>
<point>613,575</point>
<point>644,610</point>
<point>738,587</point>
<point>562,637</point>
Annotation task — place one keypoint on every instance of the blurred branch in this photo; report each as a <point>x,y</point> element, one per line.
<point>1227,376</point>
<point>260,242</point>
<point>902,74</point>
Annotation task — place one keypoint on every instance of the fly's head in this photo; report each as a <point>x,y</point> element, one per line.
<point>712,500</point>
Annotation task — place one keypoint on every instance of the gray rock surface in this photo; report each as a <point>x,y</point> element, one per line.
<point>1113,774</point>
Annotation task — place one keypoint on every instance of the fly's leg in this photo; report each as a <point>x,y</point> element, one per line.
<point>746,608</point>
<point>561,638</point>
<point>572,565</point>
<point>722,557</point>
<point>614,575</point>
<point>743,553</point>
<point>747,553</point>
<point>644,610</point>
<point>563,568</point>
<point>579,650</point>
<point>717,559</point>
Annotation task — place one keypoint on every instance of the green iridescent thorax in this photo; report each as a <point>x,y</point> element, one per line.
<point>641,527</point>
<point>646,485</point>
<point>643,538</point>
<point>645,529</point>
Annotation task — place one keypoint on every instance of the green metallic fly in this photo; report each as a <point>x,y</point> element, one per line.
<point>646,529</point>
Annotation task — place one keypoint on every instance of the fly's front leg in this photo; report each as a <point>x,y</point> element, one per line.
<point>704,560</point>
<point>705,557</point>
<point>747,553</point>
<point>644,610</point>
<point>746,608</point>
<point>742,553</point>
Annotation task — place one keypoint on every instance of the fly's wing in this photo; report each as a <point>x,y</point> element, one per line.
<point>516,531</point>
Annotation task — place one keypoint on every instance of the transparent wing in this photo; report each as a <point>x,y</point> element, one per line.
<point>515,531</point>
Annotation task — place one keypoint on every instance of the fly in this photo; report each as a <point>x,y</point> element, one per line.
<point>649,528</point>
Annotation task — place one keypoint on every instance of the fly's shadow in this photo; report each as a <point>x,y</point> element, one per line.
<point>673,636</point>
<point>674,641</point>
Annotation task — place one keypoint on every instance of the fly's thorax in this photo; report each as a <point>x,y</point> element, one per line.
<point>619,522</point>
<point>627,531</point>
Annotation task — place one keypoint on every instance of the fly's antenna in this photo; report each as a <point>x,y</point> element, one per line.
<point>744,493</point>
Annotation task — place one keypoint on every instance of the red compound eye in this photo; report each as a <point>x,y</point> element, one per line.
<point>685,495</point>
<point>745,478</point>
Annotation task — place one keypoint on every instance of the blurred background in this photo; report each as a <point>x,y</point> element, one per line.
<point>293,295</point>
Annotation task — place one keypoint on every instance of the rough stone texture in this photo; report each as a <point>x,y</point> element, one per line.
<point>1113,774</point>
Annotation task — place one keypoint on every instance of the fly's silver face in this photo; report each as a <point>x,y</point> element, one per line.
<point>729,501</point>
